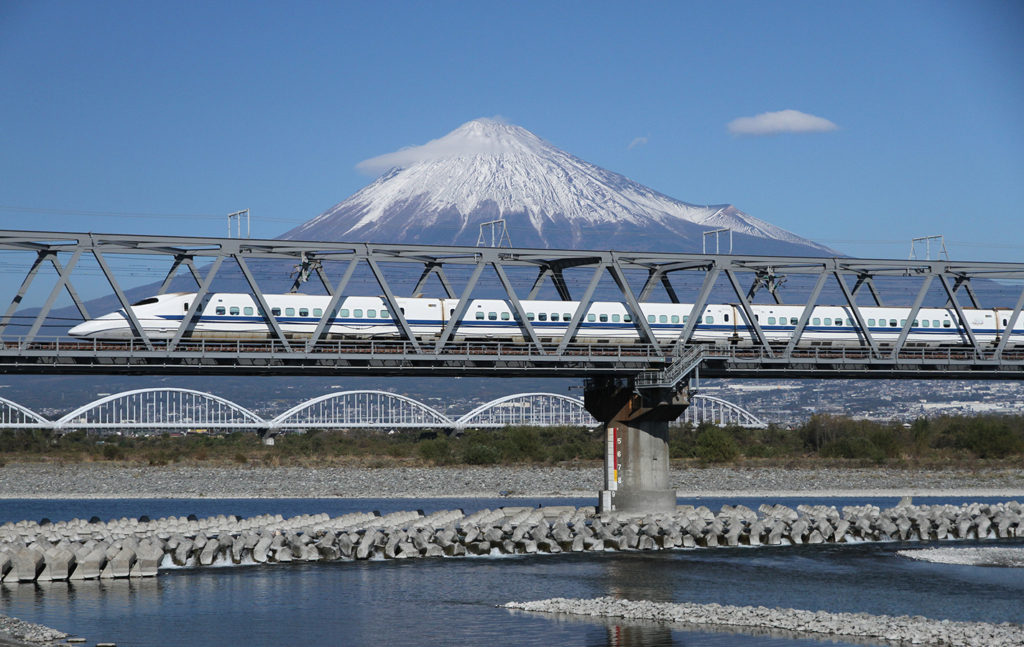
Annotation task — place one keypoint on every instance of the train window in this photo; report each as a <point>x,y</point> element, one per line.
<point>384,314</point>
<point>892,323</point>
<point>871,322</point>
<point>492,316</point>
<point>726,317</point>
<point>358,313</point>
<point>828,321</point>
<point>903,322</point>
<point>793,321</point>
<point>566,316</point>
<point>247,311</point>
<point>276,312</point>
<point>1004,320</point>
<point>303,312</point>
<point>663,319</point>
<point>627,318</point>
<point>480,315</point>
<point>504,316</point>
<point>603,318</point>
<point>591,317</point>
<point>615,318</point>
<point>771,321</point>
<point>554,316</point>
<point>318,312</point>
<point>915,323</point>
<point>289,312</point>
<point>234,310</point>
<point>839,322</point>
<point>372,314</point>
<point>542,316</point>
<point>926,323</point>
<point>709,319</point>
<point>675,319</point>
<point>816,321</point>
<point>686,318</point>
<point>529,315</point>
<point>651,318</point>
<point>221,310</point>
<point>343,312</point>
<point>946,324</point>
<point>185,309</point>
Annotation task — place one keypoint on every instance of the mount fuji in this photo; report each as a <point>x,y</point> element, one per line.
<point>440,192</point>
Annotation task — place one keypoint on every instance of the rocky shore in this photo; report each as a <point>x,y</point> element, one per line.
<point>15,633</point>
<point>894,630</point>
<point>111,480</point>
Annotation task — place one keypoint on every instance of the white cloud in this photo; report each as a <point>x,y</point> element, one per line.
<point>637,142</point>
<point>783,121</point>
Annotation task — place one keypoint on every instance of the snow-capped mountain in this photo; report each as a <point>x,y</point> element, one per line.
<point>440,192</point>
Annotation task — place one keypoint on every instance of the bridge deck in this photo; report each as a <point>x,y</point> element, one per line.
<point>248,357</point>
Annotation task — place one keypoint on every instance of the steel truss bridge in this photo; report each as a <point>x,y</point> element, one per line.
<point>166,409</point>
<point>509,274</point>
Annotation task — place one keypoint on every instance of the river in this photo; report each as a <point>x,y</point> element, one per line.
<point>449,601</point>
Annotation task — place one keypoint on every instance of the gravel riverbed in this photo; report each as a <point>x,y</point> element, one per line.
<point>15,632</point>
<point>105,480</point>
<point>894,630</point>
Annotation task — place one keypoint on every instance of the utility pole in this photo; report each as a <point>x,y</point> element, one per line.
<point>496,231</point>
<point>236,218</point>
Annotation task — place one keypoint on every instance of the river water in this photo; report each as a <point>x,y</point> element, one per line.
<point>449,601</point>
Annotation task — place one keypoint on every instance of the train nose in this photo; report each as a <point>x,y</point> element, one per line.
<point>83,329</point>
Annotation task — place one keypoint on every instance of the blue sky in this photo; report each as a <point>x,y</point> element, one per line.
<point>178,113</point>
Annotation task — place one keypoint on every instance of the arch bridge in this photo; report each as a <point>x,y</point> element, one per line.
<point>174,409</point>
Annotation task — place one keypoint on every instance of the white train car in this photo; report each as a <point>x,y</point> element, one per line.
<point>237,316</point>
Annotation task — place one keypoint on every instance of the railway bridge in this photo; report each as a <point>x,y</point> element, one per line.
<point>634,387</point>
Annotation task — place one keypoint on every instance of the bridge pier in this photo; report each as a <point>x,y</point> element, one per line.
<point>636,432</point>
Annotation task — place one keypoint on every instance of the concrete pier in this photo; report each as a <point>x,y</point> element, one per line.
<point>635,424</point>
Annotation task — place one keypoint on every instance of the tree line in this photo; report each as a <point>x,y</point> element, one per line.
<point>822,437</point>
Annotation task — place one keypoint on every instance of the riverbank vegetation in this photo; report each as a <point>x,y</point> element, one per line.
<point>822,439</point>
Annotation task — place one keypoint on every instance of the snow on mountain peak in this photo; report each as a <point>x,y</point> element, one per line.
<point>478,137</point>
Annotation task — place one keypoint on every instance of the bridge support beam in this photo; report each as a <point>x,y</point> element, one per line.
<point>636,432</point>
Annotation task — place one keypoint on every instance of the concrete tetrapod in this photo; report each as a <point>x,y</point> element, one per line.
<point>81,550</point>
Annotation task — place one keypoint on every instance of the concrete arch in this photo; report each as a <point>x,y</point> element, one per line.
<point>138,409</point>
<point>533,409</point>
<point>361,410</point>
<point>708,408</point>
<point>15,416</point>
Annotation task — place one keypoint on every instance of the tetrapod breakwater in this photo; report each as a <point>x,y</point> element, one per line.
<point>140,547</point>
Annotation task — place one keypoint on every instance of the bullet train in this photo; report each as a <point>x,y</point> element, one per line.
<point>237,316</point>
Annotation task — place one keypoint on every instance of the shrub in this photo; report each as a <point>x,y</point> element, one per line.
<point>436,450</point>
<point>480,454</point>
<point>112,452</point>
<point>715,445</point>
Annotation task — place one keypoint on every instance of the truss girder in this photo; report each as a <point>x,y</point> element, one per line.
<point>160,408</point>
<point>204,258</point>
<point>361,409</point>
<point>15,416</point>
<point>709,409</point>
<point>529,409</point>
